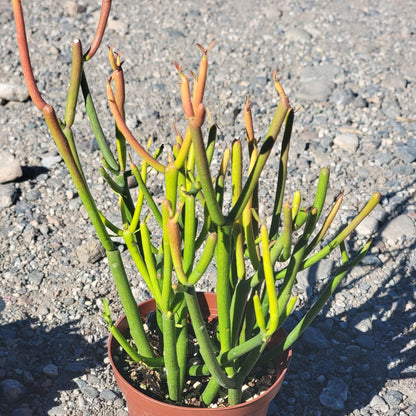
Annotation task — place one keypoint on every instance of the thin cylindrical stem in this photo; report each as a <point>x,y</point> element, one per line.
<point>205,175</point>
<point>99,33</point>
<point>205,259</point>
<point>74,83</point>
<point>129,303</point>
<point>189,234</point>
<point>145,192</point>
<point>167,258</point>
<point>170,356</point>
<point>32,87</point>
<point>128,135</point>
<point>96,126</point>
<point>282,176</point>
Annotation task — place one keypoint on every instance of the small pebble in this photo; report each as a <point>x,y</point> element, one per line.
<point>73,8</point>
<point>298,35</point>
<point>90,252</point>
<point>12,390</point>
<point>10,168</point>
<point>398,227</point>
<point>393,398</point>
<point>49,161</point>
<point>36,277</point>
<point>348,142</point>
<point>365,341</point>
<point>108,395</point>
<point>334,395</point>
<point>90,392</point>
<point>51,371</point>
<point>8,195</point>
<point>13,92</point>
<point>314,338</point>
<point>379,404</point>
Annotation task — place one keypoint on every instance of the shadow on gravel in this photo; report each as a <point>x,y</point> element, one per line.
<point>32,172</point>
<point>371,344</point>
<point>43,361</point>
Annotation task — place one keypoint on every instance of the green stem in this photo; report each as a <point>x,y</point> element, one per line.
<point>210,391</point>
<point>70,138</point>
<point>321,191</point>
<point>96,126</point>
<point>182,343</point>
<point>145,192</point>
<point>281,179</point>
<point>134,355</point>
<point>212,137</point>
<point>150,261</point>
<point>205,175</point>
<point>270,284</point>
<point>170,356</point>
<point>137,257</point>
<point>327,223</point>
<point>167,259</point>
<point>287,232</point>
<point>129,303</point>
<point>74,83</point>
<point>205,259</point>
<point>238,308</point>
<point>294,264</point>
<point>223,261</point>
<point>189,234</point>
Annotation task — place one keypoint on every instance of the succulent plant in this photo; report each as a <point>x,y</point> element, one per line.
<point>257,259</point>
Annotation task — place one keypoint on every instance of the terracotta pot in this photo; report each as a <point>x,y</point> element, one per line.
<point>140,404</point>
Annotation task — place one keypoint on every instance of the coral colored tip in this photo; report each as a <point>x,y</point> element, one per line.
<point>178,67</point>
<point>247,107</point>
<point>277,84</point>
<point>205,51</point>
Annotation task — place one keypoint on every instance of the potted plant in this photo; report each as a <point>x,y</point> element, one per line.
<point>206,217</point>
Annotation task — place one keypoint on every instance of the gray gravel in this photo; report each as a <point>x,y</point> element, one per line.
<point>348,66</point>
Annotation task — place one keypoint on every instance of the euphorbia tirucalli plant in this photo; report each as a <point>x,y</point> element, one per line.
<point>257,259</point>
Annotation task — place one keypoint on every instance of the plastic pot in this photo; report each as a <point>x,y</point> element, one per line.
<point>139,404</point>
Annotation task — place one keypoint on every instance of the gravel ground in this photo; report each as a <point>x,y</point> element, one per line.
<point>348,66</point>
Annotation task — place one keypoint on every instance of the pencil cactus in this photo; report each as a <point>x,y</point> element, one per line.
<point>256,265</point>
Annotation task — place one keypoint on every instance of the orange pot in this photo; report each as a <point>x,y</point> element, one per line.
<point>140,404</point>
